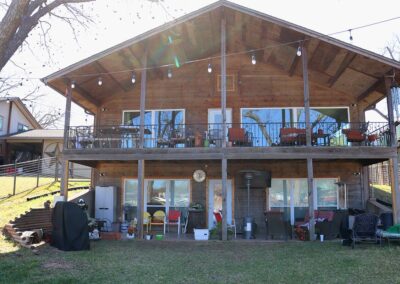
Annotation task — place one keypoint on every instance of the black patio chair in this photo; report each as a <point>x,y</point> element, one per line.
<point>276,225</point>
<point>364,229</point>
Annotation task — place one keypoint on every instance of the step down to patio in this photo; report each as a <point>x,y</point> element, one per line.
<point>35,219</point>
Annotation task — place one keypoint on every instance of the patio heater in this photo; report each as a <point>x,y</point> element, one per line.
<point>249,224</point>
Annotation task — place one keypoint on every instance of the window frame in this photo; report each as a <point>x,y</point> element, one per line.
<point>22,127</point>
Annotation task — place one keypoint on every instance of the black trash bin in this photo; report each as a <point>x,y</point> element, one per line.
<point>386,220</point>
<point>248,228</point>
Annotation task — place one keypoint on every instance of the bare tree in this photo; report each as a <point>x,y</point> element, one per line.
<point>22,16</point>
<point>393,48</point>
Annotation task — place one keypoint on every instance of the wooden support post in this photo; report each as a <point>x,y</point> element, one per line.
<point>365,186</point>
<point>223,79</point>
<point>394,167</point>
<point>15,176</point>
<point>223,110</point>
<point>38,172</point>
<point>394,177</point>
<point>389,100</point>
<point>306,95</point>
<point>143,82</point>
<point>56,169</point>
<point>64,179</point>
<point>310,181</point>
<point>65,163</point>
<point>141,163</point>
<point>140,196</point>
<point>224,170</point>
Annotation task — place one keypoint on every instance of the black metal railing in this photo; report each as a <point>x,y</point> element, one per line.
<point>323,134</point>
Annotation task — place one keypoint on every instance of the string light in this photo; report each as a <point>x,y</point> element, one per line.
<point>216,57</point>
<point>298,53</point>
<point>209,69</point>
<point>100,81</point>
<point>253,59</point>
<point>133,79</point>
<point>8,100</point>
<point>169,74</point>
<point>73,84</point>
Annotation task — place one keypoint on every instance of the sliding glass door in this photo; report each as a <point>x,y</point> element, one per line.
<point>291,196</point>
<point>160,194</point>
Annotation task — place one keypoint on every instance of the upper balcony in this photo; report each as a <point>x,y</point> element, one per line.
<point>253,135</point>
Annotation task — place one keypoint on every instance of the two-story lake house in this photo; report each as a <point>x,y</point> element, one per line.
<point>235,110</point>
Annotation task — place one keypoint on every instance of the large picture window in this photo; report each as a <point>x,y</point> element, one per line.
<point>161,123</point>
<point>327,192</point>
<point>265,123</point>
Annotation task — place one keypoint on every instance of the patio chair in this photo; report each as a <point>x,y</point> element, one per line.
<point>174,218</point>
<point>218,219</point>
<point>238,137</point>
<point>276,225</point>
<point>146,220</point>
<point>158,219</point>
<point>364,228</point>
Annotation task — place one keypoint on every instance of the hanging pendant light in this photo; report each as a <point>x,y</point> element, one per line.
<point>169,74</point>
<point>100,81</point>
<point>209,69</point>
<point>133,79</point>
<point>253,59</point>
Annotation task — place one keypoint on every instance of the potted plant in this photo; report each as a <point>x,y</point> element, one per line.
<point>131,233</point>
<point>216,232</point>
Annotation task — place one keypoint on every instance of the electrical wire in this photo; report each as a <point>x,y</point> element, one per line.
<point>215,57</point>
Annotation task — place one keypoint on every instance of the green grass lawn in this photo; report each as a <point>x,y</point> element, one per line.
<point>23,183</point>
<point>15,205</point>
<point>204,262</point>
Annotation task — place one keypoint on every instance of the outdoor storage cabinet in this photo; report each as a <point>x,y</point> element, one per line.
<point>106,203</point>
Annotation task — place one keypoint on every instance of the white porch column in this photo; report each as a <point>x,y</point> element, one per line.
<point>65,163</point>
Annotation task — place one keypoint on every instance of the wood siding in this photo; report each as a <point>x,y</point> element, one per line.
<point>193,89</point>
<point>344,170</point>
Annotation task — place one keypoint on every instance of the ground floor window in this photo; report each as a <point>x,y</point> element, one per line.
<point>160,194</point>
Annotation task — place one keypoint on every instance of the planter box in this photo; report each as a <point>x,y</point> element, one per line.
<point>201,234</point>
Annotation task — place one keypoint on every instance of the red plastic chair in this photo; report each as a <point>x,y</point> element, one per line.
<point>174,218</point>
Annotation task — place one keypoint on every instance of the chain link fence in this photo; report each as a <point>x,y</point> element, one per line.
<point>19,177</point>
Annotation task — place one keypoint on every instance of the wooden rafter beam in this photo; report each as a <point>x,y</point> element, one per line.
<point>372,88</point>
<point>343,66</point>
<point>150,62</point>
<point>102,69</point>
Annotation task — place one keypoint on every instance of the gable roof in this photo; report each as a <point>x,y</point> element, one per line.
<point>280,33</point>
<point>24,110</point>
<point>37,134</point>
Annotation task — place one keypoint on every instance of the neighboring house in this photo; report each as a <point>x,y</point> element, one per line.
<point>223,90</point>
<point>14,118</point>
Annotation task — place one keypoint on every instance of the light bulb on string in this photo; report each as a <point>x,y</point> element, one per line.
<point>100,81</point>
<point>133,79</point>
<point>351,36</point>
<point>253,59</point>
<point>73,84</point>
<point>169,74</point>
<point>209,69</point>
<point>298,53</point>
